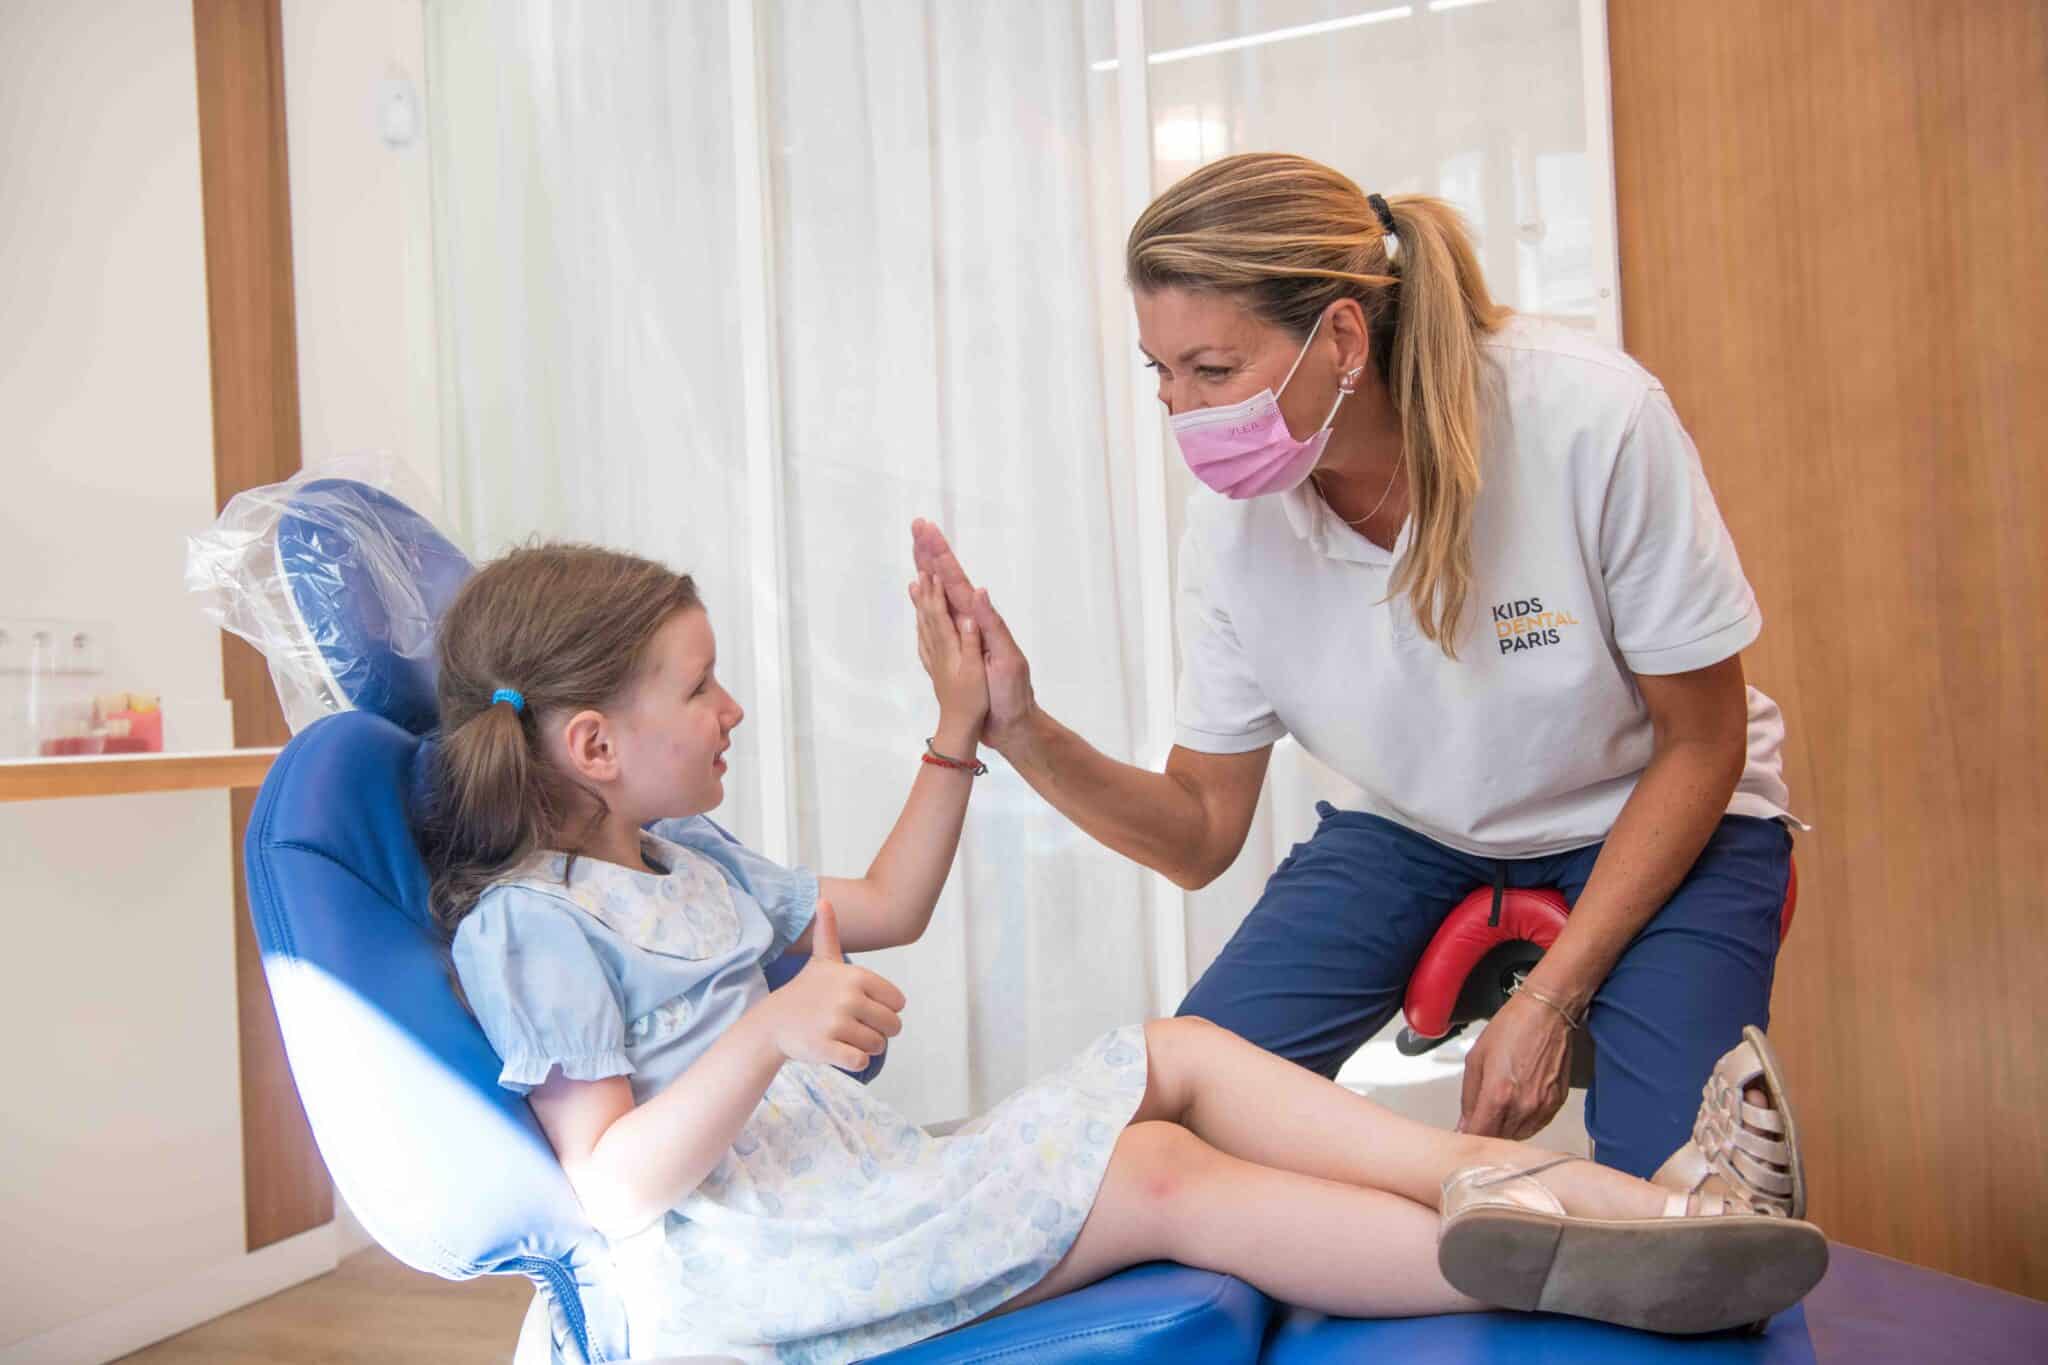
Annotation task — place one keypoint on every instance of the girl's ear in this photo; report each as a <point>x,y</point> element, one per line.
<point>589,748</point>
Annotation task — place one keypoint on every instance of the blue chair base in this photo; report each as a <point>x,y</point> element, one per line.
<point>1869,1311</point>
<point>1150,1312</point>
<point>1303,1338</point>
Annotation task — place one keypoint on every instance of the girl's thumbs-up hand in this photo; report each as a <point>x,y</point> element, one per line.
<point>825,934</point>
<point>832,1012</point>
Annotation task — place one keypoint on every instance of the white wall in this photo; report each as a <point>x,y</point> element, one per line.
<point>362,234</point>
<point>122,1147</point>
<point>362,253</point>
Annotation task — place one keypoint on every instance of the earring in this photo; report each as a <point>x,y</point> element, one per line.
<point>1349,383</point>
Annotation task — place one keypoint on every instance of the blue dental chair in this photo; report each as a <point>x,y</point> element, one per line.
<point>452,1174</point>
<point>445,1169</point>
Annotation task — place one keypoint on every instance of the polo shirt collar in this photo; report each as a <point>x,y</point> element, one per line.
<point>1311,519</point>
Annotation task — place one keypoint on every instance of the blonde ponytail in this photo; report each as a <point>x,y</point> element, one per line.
<point>1292,236</point>
<point>1433,377</point>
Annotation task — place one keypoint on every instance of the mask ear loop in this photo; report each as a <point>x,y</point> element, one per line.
<point>1345,387</point>
<point>1301,354</point>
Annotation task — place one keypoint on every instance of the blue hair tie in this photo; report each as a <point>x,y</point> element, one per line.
<point>507,694</point>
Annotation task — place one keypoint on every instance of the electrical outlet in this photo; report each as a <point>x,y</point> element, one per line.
<point>31,645</point>
<point>19,647</point>
<point>82,647</point>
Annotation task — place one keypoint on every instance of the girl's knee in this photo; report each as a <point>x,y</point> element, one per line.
<point>1176,1045</point>
<point>1170,1048</point>
<point>1162,1164</point>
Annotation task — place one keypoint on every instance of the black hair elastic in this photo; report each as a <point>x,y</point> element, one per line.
<point>1386,215</point>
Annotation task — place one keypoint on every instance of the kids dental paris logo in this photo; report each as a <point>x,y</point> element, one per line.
<point>1524,624</point>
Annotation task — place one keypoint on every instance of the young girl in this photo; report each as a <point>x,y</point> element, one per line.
<point>759,1202</point>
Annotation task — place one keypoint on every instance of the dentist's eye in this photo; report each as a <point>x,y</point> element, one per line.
<point>1211,373</point>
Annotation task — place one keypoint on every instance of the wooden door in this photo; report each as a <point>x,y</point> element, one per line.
<point>1834,251</point>
<point>251,324</point>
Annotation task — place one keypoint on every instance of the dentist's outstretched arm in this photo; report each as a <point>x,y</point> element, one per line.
<point>1188,822</point>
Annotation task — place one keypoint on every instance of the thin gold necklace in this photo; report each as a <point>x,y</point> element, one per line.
<point>1384,494</point>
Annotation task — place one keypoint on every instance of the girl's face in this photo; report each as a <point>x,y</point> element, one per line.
<point>674,726</point>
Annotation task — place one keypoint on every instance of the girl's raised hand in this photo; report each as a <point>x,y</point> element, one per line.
<point>951,654</point>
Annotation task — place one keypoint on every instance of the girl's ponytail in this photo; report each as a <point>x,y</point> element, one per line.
<point>493,807</point>
<point>568,626</point>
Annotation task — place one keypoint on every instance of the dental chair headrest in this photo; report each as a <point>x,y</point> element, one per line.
<point>368,579</point>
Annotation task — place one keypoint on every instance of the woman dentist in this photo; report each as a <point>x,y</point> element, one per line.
<point>1487,583</point>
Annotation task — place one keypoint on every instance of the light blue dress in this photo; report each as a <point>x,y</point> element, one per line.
<point>834,1228</point>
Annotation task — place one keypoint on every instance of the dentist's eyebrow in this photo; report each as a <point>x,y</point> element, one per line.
<point>1191,353</point>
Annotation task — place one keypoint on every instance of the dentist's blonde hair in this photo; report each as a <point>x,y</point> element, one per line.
<point>1290,236</point>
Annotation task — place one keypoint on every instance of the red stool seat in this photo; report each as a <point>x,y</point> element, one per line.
<point>1476,933</point>
<point>1482,951</point>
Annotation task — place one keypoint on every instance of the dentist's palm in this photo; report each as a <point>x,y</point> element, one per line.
<point>1009,673</point>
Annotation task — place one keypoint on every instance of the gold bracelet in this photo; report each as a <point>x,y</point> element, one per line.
<point>1542,999</point>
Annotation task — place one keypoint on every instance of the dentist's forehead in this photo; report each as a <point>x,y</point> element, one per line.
<point>1183,323</point>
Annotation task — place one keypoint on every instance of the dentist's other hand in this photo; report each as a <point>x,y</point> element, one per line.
<point>1010,698</point>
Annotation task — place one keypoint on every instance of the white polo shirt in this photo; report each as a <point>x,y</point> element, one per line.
<point>1597,553</point>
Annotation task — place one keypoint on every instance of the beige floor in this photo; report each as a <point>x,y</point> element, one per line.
<point>369,1308</point>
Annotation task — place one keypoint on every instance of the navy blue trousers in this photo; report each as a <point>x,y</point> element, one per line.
<point>1322,962</point>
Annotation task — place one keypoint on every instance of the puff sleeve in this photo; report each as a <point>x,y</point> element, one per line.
<point>540,989</point>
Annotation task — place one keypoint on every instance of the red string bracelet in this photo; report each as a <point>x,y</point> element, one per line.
<point>939,760</point>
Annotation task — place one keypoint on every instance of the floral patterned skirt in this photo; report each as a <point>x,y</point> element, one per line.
<point>836,1229</point>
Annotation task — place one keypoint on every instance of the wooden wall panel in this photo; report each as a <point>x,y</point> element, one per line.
<point>1834,251</point>
<point>245,191</point>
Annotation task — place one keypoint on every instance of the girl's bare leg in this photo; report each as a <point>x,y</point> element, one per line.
<point>1263,1109</point>
<point>1333,1247</point>
<point>1240,1162</point>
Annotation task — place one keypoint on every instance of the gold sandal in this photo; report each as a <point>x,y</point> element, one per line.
<point>1754,1151</point>
<point>1707,1265</point>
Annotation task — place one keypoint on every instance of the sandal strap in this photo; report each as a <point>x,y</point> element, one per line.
<point>1759,1180</point>
<point>1732,1100</point>
<point>1730,1149</point>
<point>1761,1147</point>
<point>1506,1186</point>
<point>1714,1132</point>
<point>1700,1204</point>
<point>1770,1120</point>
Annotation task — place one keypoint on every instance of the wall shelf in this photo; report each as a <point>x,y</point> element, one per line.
<point>45,779</point>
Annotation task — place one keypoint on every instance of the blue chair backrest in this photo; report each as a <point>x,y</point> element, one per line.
<point>448,1171</point>
<point>369,578</point>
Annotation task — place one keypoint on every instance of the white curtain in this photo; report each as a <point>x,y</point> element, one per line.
<point>947,231</point>
<point>940,211</point>
<point>583,223</point>
<point>938,295</point>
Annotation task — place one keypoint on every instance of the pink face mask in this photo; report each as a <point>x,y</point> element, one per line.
<point>1246,450</point>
